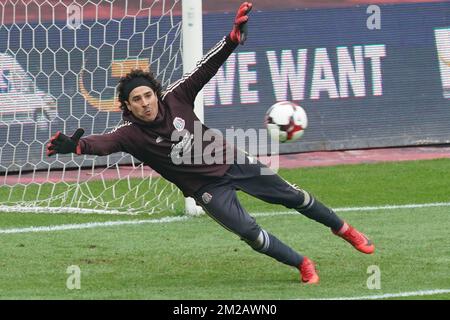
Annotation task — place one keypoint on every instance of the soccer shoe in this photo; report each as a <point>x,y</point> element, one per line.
<point>308,272</point>
<point>355,238</point>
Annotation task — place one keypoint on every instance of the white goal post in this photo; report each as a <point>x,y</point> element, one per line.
<point>192,25</point>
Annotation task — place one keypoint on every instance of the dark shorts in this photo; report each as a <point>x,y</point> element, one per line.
<point>220,201</point>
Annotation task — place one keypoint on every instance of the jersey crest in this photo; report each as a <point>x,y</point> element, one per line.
<point>206,197</point>
<point>178,123</point>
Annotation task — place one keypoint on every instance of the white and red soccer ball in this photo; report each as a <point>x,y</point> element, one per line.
<point>286,121</point>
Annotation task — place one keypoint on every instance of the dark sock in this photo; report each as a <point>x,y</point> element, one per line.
<point>315,210</point>
<point>276,249</point>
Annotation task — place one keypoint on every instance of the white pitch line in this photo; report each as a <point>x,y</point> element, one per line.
<point>89,225</point>
<point>403,206</point>
<point>393,295</point>
<point>175,219</point>
<point>25,209</point>
<point>55,210</point>
<point>374,208</point>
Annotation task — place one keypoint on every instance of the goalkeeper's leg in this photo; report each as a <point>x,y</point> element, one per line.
<point>221,203</point>
<point>274,189</point>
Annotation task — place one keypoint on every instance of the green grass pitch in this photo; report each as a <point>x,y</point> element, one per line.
<point>197,259</point>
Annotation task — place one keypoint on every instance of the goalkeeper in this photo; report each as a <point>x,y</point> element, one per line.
<point>151,115</point>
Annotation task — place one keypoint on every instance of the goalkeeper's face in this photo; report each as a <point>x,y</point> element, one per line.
<point>143,103</point>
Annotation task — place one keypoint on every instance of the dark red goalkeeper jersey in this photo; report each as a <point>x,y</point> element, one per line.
<point>170,144</point>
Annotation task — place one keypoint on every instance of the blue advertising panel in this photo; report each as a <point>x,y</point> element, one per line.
<point>361,86</point>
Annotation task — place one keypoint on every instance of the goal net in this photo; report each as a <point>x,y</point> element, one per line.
<point>60,62</point>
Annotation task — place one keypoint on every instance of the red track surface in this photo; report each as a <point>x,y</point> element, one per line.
<point>331,158</point>
<point>298,160</point>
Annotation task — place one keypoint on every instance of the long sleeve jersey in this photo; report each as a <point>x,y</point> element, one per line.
<point>168,144</point>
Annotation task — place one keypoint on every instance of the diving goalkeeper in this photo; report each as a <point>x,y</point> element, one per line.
<point>151,117</point>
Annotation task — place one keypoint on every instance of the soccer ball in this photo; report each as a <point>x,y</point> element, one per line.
<point>286,121</point>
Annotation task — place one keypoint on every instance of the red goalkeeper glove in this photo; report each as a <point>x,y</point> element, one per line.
<point>60,143</point>
<point>239,32</point>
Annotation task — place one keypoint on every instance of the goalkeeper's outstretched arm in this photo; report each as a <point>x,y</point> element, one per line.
<point>100,145</point>
<point>190,84</point>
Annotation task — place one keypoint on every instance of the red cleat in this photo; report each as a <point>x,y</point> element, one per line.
<point>308,272</point>
<point>355,238</point>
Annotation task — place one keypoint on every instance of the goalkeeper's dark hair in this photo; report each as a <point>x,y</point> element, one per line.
<point>125,81</point>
